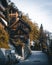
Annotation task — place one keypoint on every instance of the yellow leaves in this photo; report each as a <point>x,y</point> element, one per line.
<point>4,37</point>
<point>34,28</point>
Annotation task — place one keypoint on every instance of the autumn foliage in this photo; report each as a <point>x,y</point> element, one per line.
<point>34,27</point>
<point>3,37</point>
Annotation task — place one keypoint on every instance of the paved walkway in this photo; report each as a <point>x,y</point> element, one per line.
<point>36,58</point>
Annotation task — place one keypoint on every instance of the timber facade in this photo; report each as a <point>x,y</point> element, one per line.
<point>17,28</point>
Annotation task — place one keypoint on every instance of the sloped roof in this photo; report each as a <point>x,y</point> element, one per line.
<point>19,28</point>
<point>25,23</point>
<point>21,21</point>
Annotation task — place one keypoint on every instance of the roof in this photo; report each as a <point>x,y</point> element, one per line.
<point>19,28</point>
<point>25,23</point>
<point>22,22</point>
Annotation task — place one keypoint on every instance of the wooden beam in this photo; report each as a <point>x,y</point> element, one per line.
<point>14,22</point>
<point>4,22</point>
<point>2,16</point>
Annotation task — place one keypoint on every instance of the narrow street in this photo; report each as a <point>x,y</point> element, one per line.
<point>36,58</point>
<point>25,25</point>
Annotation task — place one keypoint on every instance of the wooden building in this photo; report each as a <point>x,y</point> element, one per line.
<point>19,33</point>
<point>17,28</point>
<point>3,7</point>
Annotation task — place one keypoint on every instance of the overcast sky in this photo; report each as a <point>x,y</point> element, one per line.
<point>39,11</point>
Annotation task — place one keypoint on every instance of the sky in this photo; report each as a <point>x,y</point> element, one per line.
<point>39,11</point>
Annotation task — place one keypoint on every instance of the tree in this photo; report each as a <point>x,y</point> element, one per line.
<point>3,37</point>
<point>42,38</point>
<point>34,27</point>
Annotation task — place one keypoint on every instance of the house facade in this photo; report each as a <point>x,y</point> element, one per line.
<point>19,34</point>
<point>17,28</point>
